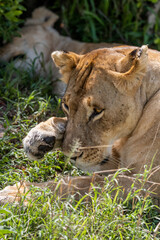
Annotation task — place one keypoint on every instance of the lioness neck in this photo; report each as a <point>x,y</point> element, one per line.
<point>151,82</point>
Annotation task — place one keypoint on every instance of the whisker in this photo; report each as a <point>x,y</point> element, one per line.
<point>100,146</point>
<point>106,171</point>
<point>114,161</point>
<point>155,169</point>
<point>117,160</point>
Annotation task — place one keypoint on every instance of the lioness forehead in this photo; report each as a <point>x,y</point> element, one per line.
<point>90,69</point>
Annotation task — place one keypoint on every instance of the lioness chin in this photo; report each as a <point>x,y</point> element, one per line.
<point>112,107</point>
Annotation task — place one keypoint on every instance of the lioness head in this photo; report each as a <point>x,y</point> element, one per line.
<point>102,101</point>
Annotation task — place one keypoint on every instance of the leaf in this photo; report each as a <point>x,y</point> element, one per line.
<point>5,211</point>
<point>153,1</point>
<point>93,15</point>
<point>12,15</point>
<point>5,230</point>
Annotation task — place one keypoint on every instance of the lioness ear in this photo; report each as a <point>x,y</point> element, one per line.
<point>128,82</point>
<point>66,61</point>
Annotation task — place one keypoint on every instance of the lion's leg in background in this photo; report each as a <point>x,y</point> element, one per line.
<point>66,186</point>
<point>143,146</point>
<point>79,186</point>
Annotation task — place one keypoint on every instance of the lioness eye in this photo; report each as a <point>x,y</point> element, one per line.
<point>97,113</point>
<point>65,107</point>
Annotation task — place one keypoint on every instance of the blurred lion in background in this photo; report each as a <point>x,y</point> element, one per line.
<point>38,39</point>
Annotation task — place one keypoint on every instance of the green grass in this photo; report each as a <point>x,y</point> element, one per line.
<point>124,22</point>
<point>27,99</point>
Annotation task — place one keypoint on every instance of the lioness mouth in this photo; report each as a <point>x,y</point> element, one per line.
<point>75,158</point>
<point>104,161</point>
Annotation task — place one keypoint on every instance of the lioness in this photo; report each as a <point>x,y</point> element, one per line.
<point>112,107</point>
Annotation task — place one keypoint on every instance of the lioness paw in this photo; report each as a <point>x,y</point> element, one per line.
<point>37,143</point>
<point>44,137</point>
